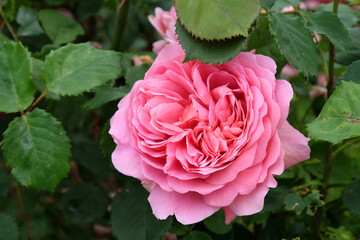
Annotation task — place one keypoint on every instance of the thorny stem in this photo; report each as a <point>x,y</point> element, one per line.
<point>37,101</point>
<point>120,25</point>
<point>7,24</point>
<point>320,214</point>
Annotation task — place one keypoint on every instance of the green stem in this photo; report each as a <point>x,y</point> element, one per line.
<point>120,25</point>
<point>330,84</point>
<point>320,214</point>
<point>37,101</point>
<point>12,32</point>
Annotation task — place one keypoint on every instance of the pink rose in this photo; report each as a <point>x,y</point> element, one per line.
<point>203,137</point>
<point>164,23</point>
<point>313,4</point>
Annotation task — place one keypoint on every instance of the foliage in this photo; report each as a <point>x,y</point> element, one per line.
<point>60,82</point>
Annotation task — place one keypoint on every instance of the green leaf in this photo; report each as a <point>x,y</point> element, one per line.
<point>8,228</point>
<point>29,22</point>
<point>267,3</point>
<point>39,81</point>
<point>340,117</point>
<point>295,42</point>
<point>107,144</point>
<point>85,8</point>
<point>3,39</point>
<point>197,235</point>
<point>217,20</point>
<point>352,73</point>
<point>353,54</point>
<point>106,94</point>
<point>59,27</point>
<point>17,90</point>
<point>5,181</point>
<point>37,150</point>
<point>216,223</point>
<point>351,196</point>
<point>85,203</point>
<point>212,52</point>
<point>329,24</point>
<point>345,13</point>
<point>264,42</point>
<point>132,218</point>
<point>294,202</point>
<point>312,202</point>
<point>54,3</point>
<point>77,68</point>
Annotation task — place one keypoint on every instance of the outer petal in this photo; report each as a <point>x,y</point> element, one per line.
<point>127,161</point>
<point>295,145</point>
<point>170,52</point>
<point>284,94</point>
<point>188,208</point>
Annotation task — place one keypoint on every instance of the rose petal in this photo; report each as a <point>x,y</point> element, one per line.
<point>295,145</point>
<point>188,208</point>
<point>127,161</point>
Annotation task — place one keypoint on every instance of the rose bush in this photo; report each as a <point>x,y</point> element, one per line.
<point>204,137</point>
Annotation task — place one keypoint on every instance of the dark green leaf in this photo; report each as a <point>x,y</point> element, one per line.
<point>264,42</point>
<point>5,181</point>
<point>340,117</point>
<point>8,228</point>
<point>59,27</point>
<point>132,218</point>
<point>212,52</point>
<point>85,203</point>
<point>352,73</point>
<point>107,144</point>
<point>342,169</point>
<point>274,200</point>
<point>295,42</point>
<point>351,196</point>
<point>312,202</point>
<point>29,22</point>
<point>179,229</point>
<point>216,223</point>
<point>54,2</point>
<point>294,202</point>
<point>77,68</point>
<point>197,235</point>
<point>17,90</point>
<point>37,149</point>
<point>345,13</point>
<point>85,8</point>
<point>202,17</point>
<point>106,94</point>
<point>329,24</point>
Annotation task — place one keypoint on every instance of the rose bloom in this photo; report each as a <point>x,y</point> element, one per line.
<point>204,137</point>
<point>164,23</point>
<point>313,4</point>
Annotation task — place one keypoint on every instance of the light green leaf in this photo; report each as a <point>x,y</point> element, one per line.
<point>59,27</point>
<point>217,20</point>
<point>8,228</point>
<point>3,39</point>
<point>17,90</point>
<point>267,3</point>
<point>132,218</point>
<point>329,24</point>
<point>295,42</point>
<point>340,116</point>
<point>345,13</point>
<point>29,22</point>
<point>37,150</point>
<point>77,68</point>
<point>352,73</point>
<point>351,195</point>
<point>212,52</point>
